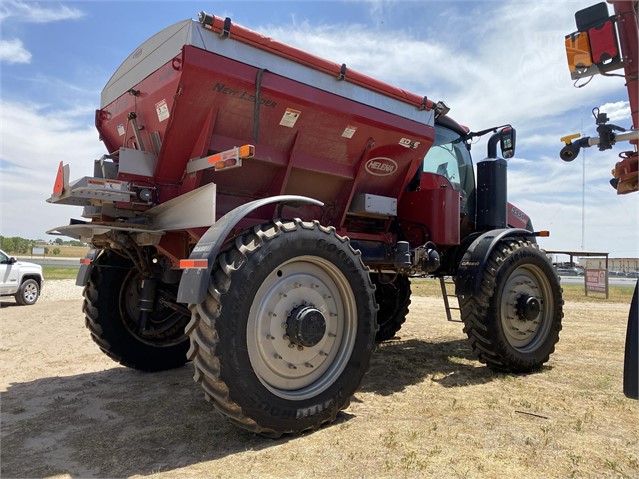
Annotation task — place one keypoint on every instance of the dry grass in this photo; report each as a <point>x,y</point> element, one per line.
<point>68,251</point>
<point>425,409</point>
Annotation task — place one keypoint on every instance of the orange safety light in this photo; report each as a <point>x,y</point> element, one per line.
<point>543,233</point>
<point>224,160</point>
<point>194,263</point>
<point>225,164</point>
<point>246,151</point>
<point>578,52</point>
<point>85,261</point>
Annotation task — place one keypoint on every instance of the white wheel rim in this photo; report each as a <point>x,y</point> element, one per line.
<point>289,371</point>
<point>31,292</point>
<point>526,335</point>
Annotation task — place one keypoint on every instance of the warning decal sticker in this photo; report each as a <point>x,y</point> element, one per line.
<point>349,131</point>
<point>162,110</point>
<point>290,117</point>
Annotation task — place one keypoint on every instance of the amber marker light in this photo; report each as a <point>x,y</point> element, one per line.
<point>194,263</point>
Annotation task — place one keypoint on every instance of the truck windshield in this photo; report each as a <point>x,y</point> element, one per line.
<point>451,158</point>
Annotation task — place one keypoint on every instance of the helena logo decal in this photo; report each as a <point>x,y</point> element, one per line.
<point>381,166</point>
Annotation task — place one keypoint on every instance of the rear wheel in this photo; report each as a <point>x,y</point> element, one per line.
<point>513,323</point>
<point>154,341</point>
<point>287,330</point>
<point>393,297</point>
<point>631,356</point>
<point>28,293</point>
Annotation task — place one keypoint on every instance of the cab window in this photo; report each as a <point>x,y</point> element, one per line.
<point>449,157</point>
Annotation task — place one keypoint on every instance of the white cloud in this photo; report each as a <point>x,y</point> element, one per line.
<point>610,222</point>
<point>617,111</point>
<point>34,141</point>
<point>551,192</point>
<point>13,51</point>
<point>34,12</point>
<point>514,71</point>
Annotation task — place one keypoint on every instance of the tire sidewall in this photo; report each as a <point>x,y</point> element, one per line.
<point>108,277</point>
<point>393,300</point>
<point>522,360</point>
<point>236,371</point>
<point>22,299</point>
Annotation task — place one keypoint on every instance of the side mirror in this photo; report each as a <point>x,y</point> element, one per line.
<point>507,142</point>
<point>13,260</point>
<point>506,138</point>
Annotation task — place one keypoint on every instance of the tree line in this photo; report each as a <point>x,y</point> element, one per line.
<point>17,245</point>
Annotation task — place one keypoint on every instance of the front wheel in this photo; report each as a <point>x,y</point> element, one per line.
<point>28,293</point>
<point>287,329</point>
<point>513,323</point>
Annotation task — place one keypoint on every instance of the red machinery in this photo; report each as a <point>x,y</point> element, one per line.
<point>260,211</point>
<point>603,44</point>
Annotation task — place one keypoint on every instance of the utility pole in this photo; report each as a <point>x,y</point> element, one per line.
<point>583,196</point>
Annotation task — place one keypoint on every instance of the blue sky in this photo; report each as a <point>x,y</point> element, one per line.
<point>493,62</point>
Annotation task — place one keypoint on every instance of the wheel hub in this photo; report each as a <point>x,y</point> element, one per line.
<point>528,307</point>
<point>305,326</point>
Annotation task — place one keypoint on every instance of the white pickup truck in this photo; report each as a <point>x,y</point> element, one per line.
<point>20,279</point>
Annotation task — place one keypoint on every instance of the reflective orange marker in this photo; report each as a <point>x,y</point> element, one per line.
<point>58,186</point>
<point>193,263</point>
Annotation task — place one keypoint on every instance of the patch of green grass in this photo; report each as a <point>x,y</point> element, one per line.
<point>616,294</point>
<point>60,272</point>
<point>572,292</point>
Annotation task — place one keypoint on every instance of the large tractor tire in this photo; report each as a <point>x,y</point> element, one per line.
<point>111,308</point>
<point>513,323</point>
<point>631,356</point>
<point>393,298</point>
<point>287,329</point>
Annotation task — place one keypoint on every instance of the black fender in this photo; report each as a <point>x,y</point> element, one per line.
<point>468,279</point>
<point>86,265</point>
<point>195,281</point>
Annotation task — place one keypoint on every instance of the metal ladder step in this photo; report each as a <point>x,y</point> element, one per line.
<point>443,283</point>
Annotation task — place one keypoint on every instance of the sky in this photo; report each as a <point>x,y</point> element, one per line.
<point>492,62</point>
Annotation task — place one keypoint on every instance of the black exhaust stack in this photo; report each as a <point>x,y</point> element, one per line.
<point>492,186</point>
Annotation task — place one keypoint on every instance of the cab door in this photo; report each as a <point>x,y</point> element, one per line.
<point>8,275</point>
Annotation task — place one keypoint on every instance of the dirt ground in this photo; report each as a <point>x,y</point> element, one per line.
<point>425,409</point>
